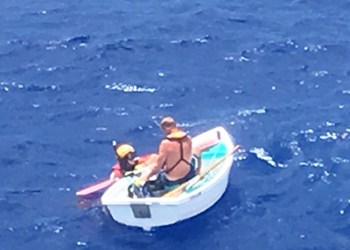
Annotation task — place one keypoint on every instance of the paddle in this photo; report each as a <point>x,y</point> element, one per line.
<point>177,191</point>
<point>98,186</point>
<point>95,187</point>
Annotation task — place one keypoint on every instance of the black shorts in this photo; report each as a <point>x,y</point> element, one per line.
<point>169,183</point>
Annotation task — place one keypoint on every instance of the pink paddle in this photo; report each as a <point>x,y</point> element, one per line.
<point>95,187</point>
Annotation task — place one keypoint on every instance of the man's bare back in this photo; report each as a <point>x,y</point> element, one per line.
<point>176,156</point>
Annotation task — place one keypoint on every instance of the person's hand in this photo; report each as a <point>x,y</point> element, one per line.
<point>132,173</point>
<point>129,173</point>
<point>139,167</point>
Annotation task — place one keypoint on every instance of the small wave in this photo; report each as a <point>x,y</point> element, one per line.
<point>82,243</point>
<point>123,87</point>
<point>47,12</point>
<point>317,163</point>
<point>249,112</point>
<point>294,146</point>
<point>20,42</point>
<point>11,86</point>
<point>346,92</point>
<point>309,135</point>
<point>263,155</point>
<point>48,224</point>
<point>97,141</point>
<point>277,47</point>
<point>156,120</point>
<point>125,44</point>
<point>78,40</point>
<point>339,160</point>
<point>74,42</point>
<point>188,124</point>
<point>320,73</point>
<point>166,105</point>
<point>24,191</point>
<point>9,161</point>
<point>183,42</point>
<point>36,88</point>
<point>314,48</point>
<point>241,155</point>
<point>109,67</point>
<point>36,67</point>
<point>329,136</point>
<point>54,68</point>
<point>273,198</point>
<point>28,45</point>
<point>237,59</point>
<point>312,136</point>
<point>102,129</point>
<point>64,189</point>
<point>237,20</point>
<point>324,176</point>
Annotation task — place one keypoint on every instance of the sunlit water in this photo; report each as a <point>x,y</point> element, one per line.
<point>76,74</point>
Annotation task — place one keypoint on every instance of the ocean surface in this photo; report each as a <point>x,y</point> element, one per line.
<point>74,75</point>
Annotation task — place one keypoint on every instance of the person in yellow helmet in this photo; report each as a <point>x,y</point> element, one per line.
<point>174,163</point>
<point>128,161</point>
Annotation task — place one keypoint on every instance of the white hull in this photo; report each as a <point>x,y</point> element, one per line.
<point>155,212</point>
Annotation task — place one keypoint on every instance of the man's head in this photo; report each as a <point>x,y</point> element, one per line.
<point>168,124</point>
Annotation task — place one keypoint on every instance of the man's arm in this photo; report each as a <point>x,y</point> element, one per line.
<point>158,163</point>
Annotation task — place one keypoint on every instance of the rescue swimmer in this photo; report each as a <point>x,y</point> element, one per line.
<point>128,161</point>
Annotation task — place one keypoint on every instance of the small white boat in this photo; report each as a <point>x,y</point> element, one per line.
<point>160,211</point>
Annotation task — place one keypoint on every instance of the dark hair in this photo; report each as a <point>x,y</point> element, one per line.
<point>125,164</point>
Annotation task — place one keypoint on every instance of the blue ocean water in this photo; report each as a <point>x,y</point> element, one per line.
<point>76,74</point>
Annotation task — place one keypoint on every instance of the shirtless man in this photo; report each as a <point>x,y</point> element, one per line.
<point>174,158</point>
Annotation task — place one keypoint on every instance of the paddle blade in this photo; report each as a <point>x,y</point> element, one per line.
<point>95,187</point>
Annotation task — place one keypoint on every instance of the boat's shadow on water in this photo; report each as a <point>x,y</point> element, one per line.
<point>186,233</point>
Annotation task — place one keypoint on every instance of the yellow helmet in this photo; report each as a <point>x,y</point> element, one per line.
<point>123,150</point>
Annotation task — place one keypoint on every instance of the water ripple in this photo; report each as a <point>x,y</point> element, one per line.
<point>199,41</point>
<point>78,40</point>
<point>263,155</point>
<point>249,112</point>
<point>12,86</point>
<point>124,87</point>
